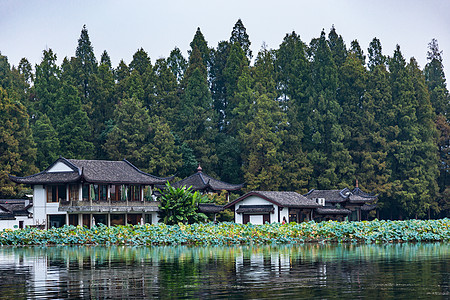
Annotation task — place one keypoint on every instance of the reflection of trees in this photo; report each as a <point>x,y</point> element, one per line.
<point>307,271</point>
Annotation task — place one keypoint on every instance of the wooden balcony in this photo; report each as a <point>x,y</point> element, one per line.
<point>108,206</point>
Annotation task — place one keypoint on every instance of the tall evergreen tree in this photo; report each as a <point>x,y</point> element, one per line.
<point>103,101</point>
<point>376,56</point>
<point>235,65</point>
<point>337,47</point>
<point>17,149</point>
<point>323,133</point>
<point>86,63</point>
<point>219,59</point>
<point>239,35</point>
<point>72,124</point>
<point>201,44</point>
<point>177,63</point>
<point>47,142</point>
<point>197,115</point>
<point>129,138</point>
<point>47,85</point>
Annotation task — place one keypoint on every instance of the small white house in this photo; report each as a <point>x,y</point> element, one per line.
<point>260,207</point>
<point>15,213</point>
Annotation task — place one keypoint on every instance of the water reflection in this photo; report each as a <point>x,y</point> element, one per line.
<point>307,271</point>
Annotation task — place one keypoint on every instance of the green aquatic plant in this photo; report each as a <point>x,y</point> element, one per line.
<point>377,231</point>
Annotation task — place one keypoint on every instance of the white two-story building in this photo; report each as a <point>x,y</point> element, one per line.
<point>88,192</point>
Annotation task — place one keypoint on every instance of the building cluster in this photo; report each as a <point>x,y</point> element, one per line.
<point>90,192</point>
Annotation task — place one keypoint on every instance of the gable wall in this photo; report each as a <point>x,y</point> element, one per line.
<point>255,200</point>
<point>60,167</point>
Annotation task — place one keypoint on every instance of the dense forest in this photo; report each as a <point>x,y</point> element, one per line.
<point>303,116</point>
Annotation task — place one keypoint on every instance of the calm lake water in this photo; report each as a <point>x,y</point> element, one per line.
<point>407,271</point>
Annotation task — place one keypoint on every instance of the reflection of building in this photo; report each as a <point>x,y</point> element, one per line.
<point>84,192</point>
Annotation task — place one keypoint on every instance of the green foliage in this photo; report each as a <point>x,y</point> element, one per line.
<point>17,148</point>
<point>302,116</point>
<point>380,232</point>
<point>180,205</point>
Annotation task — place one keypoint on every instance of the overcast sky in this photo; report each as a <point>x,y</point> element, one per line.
<point>122,27</point>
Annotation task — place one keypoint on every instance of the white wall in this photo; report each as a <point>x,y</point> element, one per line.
<point>4,224</point>
<point>255,200</point>
<point>41,208</point>
<point>60,167</point>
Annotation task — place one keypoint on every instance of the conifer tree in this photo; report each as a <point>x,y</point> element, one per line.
<point>376,56</point>
<point>177,63</point>
<point>47,142</point>
<point>17,149</point>
<point>219,59</point>
<point>129,137</point>
<point>337,47</point>
<point>197,115</point>
<point>201,44</point>
<point>47,85</point>
<point>72,124</point>
<point>103,101</point>
<point>239,35</point>
<point>85,63</point>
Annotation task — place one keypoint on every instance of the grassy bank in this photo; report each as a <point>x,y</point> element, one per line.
<point>230,233</point>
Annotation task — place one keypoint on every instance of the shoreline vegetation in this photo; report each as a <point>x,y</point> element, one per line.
<point>376,231</point>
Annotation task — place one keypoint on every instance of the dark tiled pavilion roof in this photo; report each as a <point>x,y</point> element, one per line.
<point>95,171</point>
<point>334,196</point>
<point>338,196</point>
<point>200,181</point>
<point>284,199</point>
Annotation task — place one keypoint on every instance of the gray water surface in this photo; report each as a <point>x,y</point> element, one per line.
<point>401,271</point>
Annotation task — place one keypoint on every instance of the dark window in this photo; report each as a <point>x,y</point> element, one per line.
<point>245,219</point>
<point>118,219</point>
<point>266,218</point>
<point>73,192</point>
<point>135,193</point>
<point>148,218</point>
<point>87,220</point>
<point>56,221</point>
<point>85,192</point>
<point>103,192</point>
<point>56,193</point>
<point>134,219</point>
<point>73,219</point>
<point>100,219</point>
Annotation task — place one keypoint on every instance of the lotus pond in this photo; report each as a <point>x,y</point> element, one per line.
<point>295,271</point>
<point>236,234</point>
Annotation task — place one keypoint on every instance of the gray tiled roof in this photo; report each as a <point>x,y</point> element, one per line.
<point>255,209</point>
<point>106,171</point>
<point>10,208</point>
<point>334,196</point>
<point>201,181</point>
<point>333,211</point>
<point>284,199</point>
<point>48,177</point>
<point>99,171</point>
<point>210,208</point>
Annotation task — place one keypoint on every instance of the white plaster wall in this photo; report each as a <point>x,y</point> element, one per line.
<point>41,208</point>
<point>255,200</point>
<point>4,224</point>
<point>284,213</point>
<point>60,167</point>
<point>256,219</point>
<point>39,204</point>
